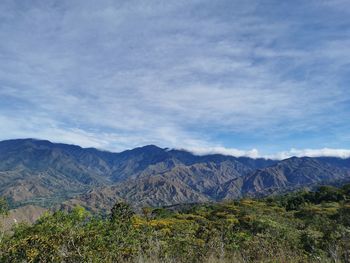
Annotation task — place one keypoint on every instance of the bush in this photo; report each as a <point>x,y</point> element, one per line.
<point>298,227</point>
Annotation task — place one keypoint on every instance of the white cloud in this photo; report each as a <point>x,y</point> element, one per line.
<point>33,128</point>
<point>254,153</point>
<point>325,152</point>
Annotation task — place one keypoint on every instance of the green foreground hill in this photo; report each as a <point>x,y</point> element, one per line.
<point>298,227</point>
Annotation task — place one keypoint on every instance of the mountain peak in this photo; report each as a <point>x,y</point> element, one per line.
<point>151,147</point>
<point>145,149</point>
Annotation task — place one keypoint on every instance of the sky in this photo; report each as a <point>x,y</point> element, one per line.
<point>245,78</point>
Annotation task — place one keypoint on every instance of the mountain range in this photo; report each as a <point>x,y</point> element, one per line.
<point>46,174</point>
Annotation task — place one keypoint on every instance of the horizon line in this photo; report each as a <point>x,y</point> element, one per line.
<point>208,150</point>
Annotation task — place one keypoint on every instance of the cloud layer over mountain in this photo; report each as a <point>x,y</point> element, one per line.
<point>254,153</point>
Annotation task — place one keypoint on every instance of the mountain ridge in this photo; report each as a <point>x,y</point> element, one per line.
<point>36,171</point>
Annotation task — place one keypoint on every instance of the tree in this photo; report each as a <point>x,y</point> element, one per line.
<point>4,208</point>
<point>121,212</point>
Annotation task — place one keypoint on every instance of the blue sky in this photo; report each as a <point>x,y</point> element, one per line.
<point>256,78</point>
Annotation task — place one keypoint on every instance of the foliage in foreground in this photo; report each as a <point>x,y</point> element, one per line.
<point>298,227</point>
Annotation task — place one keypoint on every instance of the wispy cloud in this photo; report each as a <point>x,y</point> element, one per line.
<point>115,74</point>
<point>253,153</point>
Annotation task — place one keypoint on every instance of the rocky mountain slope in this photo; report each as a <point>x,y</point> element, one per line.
<point>49,174</point>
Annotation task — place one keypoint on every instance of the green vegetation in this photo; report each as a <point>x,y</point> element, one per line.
<point>3,212</point>
<point>47,201</point>
<point>298,227</point>
<point>3,206</point>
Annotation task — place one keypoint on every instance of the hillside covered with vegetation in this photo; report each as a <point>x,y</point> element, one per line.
<point>298,227</point>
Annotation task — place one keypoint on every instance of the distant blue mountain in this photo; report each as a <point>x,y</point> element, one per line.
<point>45,173</point>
